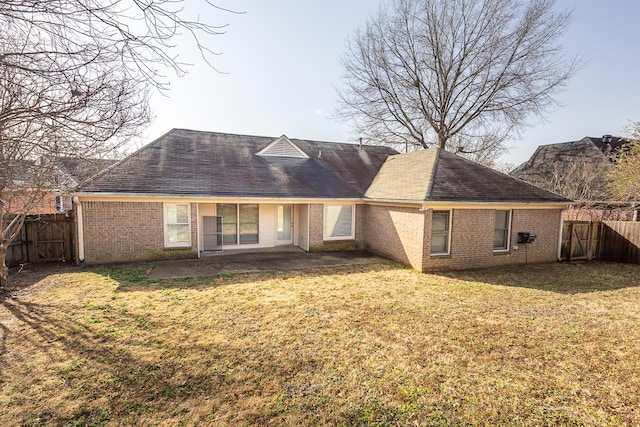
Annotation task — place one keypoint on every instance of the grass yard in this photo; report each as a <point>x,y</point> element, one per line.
<point>380,344</point>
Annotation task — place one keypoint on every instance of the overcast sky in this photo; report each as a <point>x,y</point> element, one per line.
<point>282,60</point>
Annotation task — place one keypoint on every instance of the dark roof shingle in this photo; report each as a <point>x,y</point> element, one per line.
<point>439,176</point>
<point>186,162</point>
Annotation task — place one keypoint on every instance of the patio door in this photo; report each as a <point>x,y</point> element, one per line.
<point>211,233</point>
<point>284,225</point>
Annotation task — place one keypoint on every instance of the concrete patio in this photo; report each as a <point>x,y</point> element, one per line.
<point>280,258</point>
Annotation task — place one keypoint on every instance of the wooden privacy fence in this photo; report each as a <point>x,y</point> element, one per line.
<point>43,238</point>
<point>621,241</point>
<point>580,240</point>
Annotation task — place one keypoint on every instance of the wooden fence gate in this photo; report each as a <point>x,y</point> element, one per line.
<point>580,240</point>
<point>43,238</point>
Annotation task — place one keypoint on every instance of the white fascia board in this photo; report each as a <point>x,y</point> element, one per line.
<point>466,205</point>
<point>494,205</point>
<point>118,197</point>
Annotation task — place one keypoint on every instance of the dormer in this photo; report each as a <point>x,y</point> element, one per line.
<point>282,147</point>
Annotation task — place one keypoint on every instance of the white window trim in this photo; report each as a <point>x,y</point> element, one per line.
<point>508,242</point>
<point>167,244</point>
<point>351,236</point>
<point>448,252</point>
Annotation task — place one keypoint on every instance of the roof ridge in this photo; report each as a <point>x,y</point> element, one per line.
<point>432,177</point>
<point>275,137</point>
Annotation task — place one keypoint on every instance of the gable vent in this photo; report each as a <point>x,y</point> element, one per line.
<point>283,147</point>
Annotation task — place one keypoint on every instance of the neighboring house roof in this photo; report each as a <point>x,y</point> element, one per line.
<point>546,157</point>
<point>187,162</point>
<point>77,170</point>
<point>55,173</point>
<point>439,176</point>
<point>576,169</point>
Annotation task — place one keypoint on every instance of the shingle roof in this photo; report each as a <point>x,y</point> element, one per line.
<point>547,158</point>
<point>187,162</point>
<point>77,170</point>
<point>437,175</point>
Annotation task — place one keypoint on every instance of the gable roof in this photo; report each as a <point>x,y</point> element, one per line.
<point>187,162</point>
<point>439,176</point>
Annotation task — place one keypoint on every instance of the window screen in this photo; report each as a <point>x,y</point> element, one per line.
<point>440,232</point>
<point>501,233</point>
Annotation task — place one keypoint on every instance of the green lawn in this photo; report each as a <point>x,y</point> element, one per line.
<point>553,344</point>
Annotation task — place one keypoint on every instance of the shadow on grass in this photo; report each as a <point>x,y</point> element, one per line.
<point>563,278</point>
<point>102,378</point>
<point>4,331</point>
<point>27,275</point>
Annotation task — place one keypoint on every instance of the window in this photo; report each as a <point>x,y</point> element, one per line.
<point>440,233</point>
<point>177,231</point>
<point>501,233</point>
<point>60,205</point>
<point>338,222</point>
<point>229,214</point>
<point>248,223</point>
<point>239,223</point>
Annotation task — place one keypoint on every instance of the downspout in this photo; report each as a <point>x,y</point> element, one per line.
<point>560,235</point>
<point>308,226</point>
<point>198,228</point>
<point>80,230</point>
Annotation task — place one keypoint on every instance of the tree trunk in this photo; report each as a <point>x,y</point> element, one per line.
<point>4,271</point>
<point>442,140</point>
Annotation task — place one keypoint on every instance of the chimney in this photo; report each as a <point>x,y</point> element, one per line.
<point>361,143</point>
<point>607,139</point>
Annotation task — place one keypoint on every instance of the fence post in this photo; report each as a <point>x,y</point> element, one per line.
<point>590,242</point>
<point>570,242</point>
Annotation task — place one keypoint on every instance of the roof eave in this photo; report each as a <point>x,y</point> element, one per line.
<point>204,197</point>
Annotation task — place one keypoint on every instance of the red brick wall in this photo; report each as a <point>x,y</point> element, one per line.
<point>395,233</point>
<point>303,226</point>
<point>130,231</point>
<point>359,225</point>
<point>316,231</point>
<point>316,215</point>
<point>472,239</point>
<point>31,203</point>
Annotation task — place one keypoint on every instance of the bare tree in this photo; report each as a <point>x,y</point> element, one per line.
<point>456,74</point>
<point>584,179</point>
<point>581,179</point>
<point>624,175</point>
<point>74,81</point>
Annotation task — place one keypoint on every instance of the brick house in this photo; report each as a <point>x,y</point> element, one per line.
<point>189,193</point>
<point>42,187</point>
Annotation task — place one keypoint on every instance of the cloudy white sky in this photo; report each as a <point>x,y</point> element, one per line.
<point>282,65</point>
